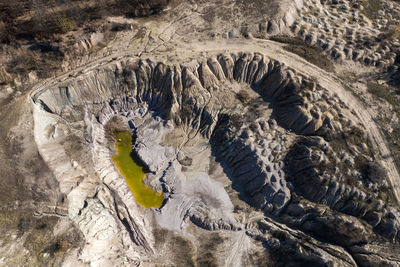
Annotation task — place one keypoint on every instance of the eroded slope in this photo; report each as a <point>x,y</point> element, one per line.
<point>278,139</point>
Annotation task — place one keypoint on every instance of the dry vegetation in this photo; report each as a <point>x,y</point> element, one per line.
<point>32,32</point>
<point>181,249</point>
<point>387,94</point>
<point>42,20</point>
<point>256,7</point>
<point>244,96</point>
<point>312,54</point>
<point>371,8</point>
<point>38,238</point>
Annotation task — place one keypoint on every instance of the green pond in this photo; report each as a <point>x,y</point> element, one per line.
<point>134,173</point>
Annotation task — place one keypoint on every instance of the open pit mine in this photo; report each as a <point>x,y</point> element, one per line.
<point>212,133</point>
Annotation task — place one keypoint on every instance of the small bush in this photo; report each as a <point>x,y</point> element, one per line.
<point>384,93</point>
<point>243,96</point>
<point>66,24</point>
<point>371,8</point>
<point>374,172</point>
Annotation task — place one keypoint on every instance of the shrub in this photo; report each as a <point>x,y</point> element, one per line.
<point>243,96</point>
<point>374,172</point>
<point>66,24</point>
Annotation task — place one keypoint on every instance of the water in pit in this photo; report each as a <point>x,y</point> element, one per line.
<point>134,173</point>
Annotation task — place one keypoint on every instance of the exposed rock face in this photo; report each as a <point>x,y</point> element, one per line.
<point>272,131</point>
<point>317,177</point>
<point>189,91</point>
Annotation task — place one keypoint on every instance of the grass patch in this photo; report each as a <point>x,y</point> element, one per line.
<point>393,138</point>
<point>384,93</point>
<point>371,8</point>
<point>312,54</point>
